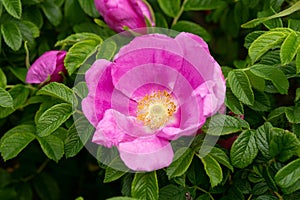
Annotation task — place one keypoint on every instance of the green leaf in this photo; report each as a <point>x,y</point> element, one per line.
<point>220,156</point>
<point>261,101</point>
<point>145,186</point>
<point>264,43</point>
<point>298,63</point>
<point>240,86</point>
<point>46,187</point>
<point>288,11</point>
<point>224,124</point>
<point>256,81</point>
<point>289,174</point>
<point>233,103</point>
<point>11,35</point>
<point>244,149</point>
<point>294,24</point>
<point>18,129</point>
<point>5,98</point>
<point>77,136</point>
<point>19,72</point>
<point>13,7</point>
<point>89,8</point>
<point>172,192</point>
<point>115,170</point>
<point>263,137</point>
<point>19,93</point>
<point>52,118</point>
<point>79,53</point>
<point>121,198</point>
<point>81,89</point>
<point>273,23</point>
<point>60,91</point>
<point>160,20</point>
<point>272,74</point>
<point>52,146</point>
<point>203,4</point>
<point>187,26</point>
<point>13,144</point>
<point>107,50</point>
<point>3,80</point>
<point>52,12</point>
<point>170,7</point>
<point>284,144</point>
<point>78,37</point>
<point>289,48</point>
<point>212,169</point>
<point>293,114</point>
<point>251,37</point>
<point>182,160</point>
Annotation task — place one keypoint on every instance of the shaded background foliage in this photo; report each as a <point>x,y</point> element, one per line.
<point>261,63</point>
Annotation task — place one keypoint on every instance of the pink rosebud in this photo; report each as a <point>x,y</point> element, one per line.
<point>120,13</point>
<point>47,68</point>
<point>156,89</point>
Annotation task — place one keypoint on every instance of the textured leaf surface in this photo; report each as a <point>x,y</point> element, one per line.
<point>58,90</point>
<point>11,35</point>
<point>264,43</point>
<point>263,138</point>
<point>5,98</point>
<point>240,86</point>
<point>289,174</point>
<point>213,170</point>
<point>289,48</point>
<point>187,26</point>
<point>244,149</point>
<point>77,136</point>
<point>52,12</point>
<point>145,186</point>
<point>89,8</point>
<point>224,125</point>
<point>272,74</point>
<point>52,118</point>
<point>170,7</point>
<point>13,144</point>
<point>203,4</point>
<point>13,7</point>
<point>52,146</point>
<point>79,53</point>
<point>182,160</point>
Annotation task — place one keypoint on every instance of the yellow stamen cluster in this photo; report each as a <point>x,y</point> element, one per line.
<point>156,110</point>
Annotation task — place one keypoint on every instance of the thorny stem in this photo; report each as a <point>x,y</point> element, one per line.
<point>38,171</point>
<point>199,188</point>
<point>179,13</point>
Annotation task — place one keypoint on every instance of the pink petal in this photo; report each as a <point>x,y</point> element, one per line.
<point>44,66</point>
<point>100,88</point>
<point>147,74</point>
<point>108,132</point>
<point>146,153</point>
<point>198,39</point>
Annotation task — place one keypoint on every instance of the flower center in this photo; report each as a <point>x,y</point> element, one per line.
<point>156,110</point>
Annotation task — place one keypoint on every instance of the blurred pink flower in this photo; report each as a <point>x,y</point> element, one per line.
<point>156,90</point>
<point>120,13</point>
<point>47,68</point>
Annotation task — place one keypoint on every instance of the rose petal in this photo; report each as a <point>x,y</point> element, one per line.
<point>44,67</point>
<point>108,132</point>
<point>100,88</point>
<point>146,153</point>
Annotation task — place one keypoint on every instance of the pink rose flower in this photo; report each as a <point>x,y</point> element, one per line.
<point>120,13</point>
<point>156,90</point>
<point>47,68</point>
